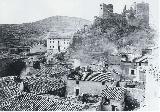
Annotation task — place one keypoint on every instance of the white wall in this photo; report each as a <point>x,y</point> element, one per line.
<point>52,45</point>
<point>37,48</point>
<point>90,87</point>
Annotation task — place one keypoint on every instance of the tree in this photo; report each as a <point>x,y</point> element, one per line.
<point>36,65</point>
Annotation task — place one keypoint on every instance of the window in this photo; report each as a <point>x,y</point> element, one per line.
<point>64,47</point>
<point>103,83</point>
<point>50,41</point>
<point>53,46</point>
<point>50,46</point>
<point>53,41</point>
<point>132,72</point>
<point>106,101</point>
<point>139,63</point>
<point>77,82</point>
<point>64,42</point>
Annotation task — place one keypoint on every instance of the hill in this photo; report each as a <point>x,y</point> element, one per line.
<point>29,33</point>
<point>110,36</point>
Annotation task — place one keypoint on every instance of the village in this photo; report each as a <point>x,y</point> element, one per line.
<point>52,81</point>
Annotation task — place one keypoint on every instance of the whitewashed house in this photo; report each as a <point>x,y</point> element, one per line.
<point>58,42</point>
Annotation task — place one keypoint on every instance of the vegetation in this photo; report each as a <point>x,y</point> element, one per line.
<point>130,103</point>
<point>109,36</point>
<point>12,67</point>
<point>35,32</point>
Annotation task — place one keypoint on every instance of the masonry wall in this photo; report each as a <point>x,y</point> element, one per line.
<point>106,10</point>
<point>89,87</point>
<point>142,12</point>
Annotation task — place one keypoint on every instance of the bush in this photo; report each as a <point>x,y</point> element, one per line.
<point>130,103</point>
<point>36,65</point>
<point>13,68</point>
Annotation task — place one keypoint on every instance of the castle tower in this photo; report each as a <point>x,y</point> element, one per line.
<point>124,11</point>
<point>125,8</point>
<point>142,12</point>
<point>106,10</point>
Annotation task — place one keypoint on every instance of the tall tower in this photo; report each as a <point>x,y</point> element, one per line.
<point>106,10</point>
<point>142,12</point>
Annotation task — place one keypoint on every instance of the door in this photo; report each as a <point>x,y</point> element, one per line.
<point>114,108</point>
<point>77,92</point>
<point>59,47</point>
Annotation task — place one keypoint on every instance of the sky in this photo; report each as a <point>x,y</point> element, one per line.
<point>24,11</point>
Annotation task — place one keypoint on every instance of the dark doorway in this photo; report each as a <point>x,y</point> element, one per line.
<point>77,92</point>
<point>132,72</point>
<point>59,47</point>
<point>114,108</point>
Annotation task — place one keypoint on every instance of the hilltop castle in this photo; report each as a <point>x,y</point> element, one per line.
<point>138,14</point>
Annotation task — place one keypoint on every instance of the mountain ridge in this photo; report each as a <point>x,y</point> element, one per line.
<point>32,32</point>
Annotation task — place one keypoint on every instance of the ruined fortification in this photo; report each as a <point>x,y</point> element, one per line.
<point>137,14</point>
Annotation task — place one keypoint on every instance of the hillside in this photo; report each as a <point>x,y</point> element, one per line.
<point>109,37</point>
<point>28,33</point>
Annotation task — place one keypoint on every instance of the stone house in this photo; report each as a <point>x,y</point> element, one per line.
<point>135,70</point>
<point>89,84</point>
<point>112,99</point>
<point>77,87</point>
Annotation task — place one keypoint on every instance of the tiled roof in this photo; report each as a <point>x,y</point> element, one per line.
<point>141,59</point>
<point>29,101</point>
<point>97,77</point>
<point>54,69</point>
<point>57,35</point>
<point>43,85</point>
<point>115,93</point>
<point>8,87</point>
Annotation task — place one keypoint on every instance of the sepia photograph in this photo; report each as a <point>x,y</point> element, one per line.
<point>79,55</point>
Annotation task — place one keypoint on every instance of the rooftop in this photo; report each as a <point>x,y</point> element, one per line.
<point>59,35</point>
<point>115,93</point>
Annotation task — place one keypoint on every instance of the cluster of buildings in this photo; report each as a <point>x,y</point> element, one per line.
<point>32,102</point>
<point>8,88</point>
<point>109,80</point>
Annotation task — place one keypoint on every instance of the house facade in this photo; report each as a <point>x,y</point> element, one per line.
<point>78,87</point>
<point>89,84</point>
<point>112,99</point>
<point>57,42</point>
<point>135,69</point>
